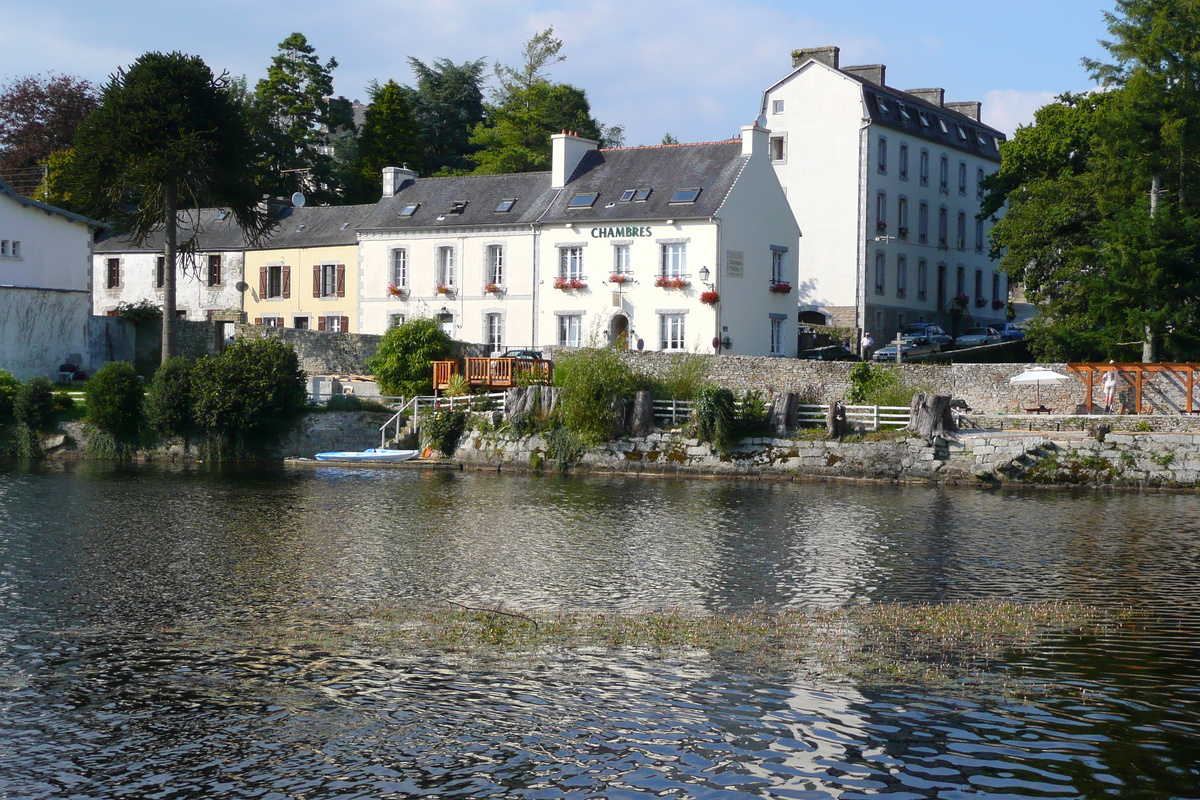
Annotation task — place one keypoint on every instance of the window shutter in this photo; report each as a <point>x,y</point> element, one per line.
<point>262,283</point>
<point>341,280</point>
<point>320,323</point>
<point>286,280</point>
<point>258,320</point>
<point>345,324</point>
<point>316,280</point>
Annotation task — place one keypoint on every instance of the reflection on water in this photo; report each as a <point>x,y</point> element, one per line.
<point>104,693</point>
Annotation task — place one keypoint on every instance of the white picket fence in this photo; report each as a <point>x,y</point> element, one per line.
<point>668,413</point>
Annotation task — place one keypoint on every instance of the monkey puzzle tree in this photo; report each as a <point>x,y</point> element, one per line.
<point>167,135</point>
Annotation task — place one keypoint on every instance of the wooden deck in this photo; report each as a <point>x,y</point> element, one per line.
<point>494,373</point>
<point>1139,374</point>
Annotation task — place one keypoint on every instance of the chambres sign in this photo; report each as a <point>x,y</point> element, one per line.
<point>624,232</point>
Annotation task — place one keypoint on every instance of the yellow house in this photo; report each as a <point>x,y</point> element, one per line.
<point>306,274</point>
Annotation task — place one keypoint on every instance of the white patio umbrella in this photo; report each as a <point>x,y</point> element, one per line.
<point>1036,375</point>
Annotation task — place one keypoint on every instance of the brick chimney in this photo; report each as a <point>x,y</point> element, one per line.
<point>566,151</point>
<point>394,178</point>
<point>969,108</point>
<point>936,97</point>
<point>826,55</point>
<point>868,72</point>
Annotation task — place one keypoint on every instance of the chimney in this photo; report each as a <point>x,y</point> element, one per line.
<point>754,140</point>
<point>394,178</point>
<point>968,108</point>
<point>826,55</point>
<point>935,96</point>
<point>566,151</point>
<point>868,72</point>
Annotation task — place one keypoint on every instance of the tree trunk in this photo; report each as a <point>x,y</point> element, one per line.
<point>931,417</point>
<point>170,256</point>
<point>1149,351</point>
<point>641,421</point>
<point>836,424</point>
<point>783,413</point>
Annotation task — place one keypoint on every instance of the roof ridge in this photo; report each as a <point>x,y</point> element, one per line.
<point>658,146</point>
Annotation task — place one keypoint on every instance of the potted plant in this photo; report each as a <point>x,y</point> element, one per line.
<point>981,302</point>
<point>997,305</point>
<point>780,287</point>
<point>670,282</point>
<point>710,298</point>
<point>443,288</point>
<point>396,291</point>
<point>569,283</point>
<point>491,288</point>
<point>902,232</point>
<point>960,300</point>
<point>619,277</point>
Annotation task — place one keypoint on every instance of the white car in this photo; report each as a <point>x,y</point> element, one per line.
<point>977,336</point>
<point>915,346</point>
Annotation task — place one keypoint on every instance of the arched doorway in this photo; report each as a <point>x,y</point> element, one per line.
<point>812,318</point>
<point>618,331</point>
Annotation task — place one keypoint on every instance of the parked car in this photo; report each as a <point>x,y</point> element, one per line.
<point>977,336</point>
<point>833,352</point>
<point>932,332</point>
<point>916,346</point>
<point>528,355</point>
<point>1010,331</point>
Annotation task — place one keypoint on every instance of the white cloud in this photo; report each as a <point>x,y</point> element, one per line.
<point>1005,109</point>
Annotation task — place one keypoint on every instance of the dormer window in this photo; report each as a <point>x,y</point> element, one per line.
<point>641,195</point>
<point>883,106</point>
<point>583,200</point>
<point>924,119</point>
<point>409,209</point>
<point>506,205</point>
<point>685,196</point>
<point>627,195</point>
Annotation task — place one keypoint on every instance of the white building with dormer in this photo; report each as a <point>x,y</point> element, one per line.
<point>887,186</point>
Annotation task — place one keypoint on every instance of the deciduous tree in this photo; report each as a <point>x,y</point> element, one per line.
<point>38,117</point>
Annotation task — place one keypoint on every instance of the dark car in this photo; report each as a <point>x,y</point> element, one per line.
<point>833,352</point>
<point>1010,331</point>
<point>527,355</point>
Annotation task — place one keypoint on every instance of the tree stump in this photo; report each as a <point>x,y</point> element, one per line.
<point>641,421</point>
<point>930,417</point>
<point>836,424</point>
<point>782,416</point>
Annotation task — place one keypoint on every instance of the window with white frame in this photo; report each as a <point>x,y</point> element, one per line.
<point>922,279</point>
<point>330,281</point>
<point>978,236</point>
<point>779,272</point>
<point>902,166</point>
<point>923,168</point>
<point>962,230</point>
<point>880,273</point>
<point>902,217</point>
<point>395,320</point>
<point>3,248</point>
<point>270,322</point>
<point>495,264</point>
<point>333,323</point>
<point>621,263</point>
<point>996,287</point>
<point>674,260</point>
<point>10,248</point>
<point>881,212</point>
<point>979,183</point>
<point>570,330</point>
<point>446,273</point>
<point>671,331</point>
<point>400,268</point>
<point>962,178</point>
<point>943,227</point>
<point>570,262</point>
<point>776,336</point>
<point>493,332</point>
<point>776,106</point>
<point>881,155</point>
<point>901,276</point>
<point>778,148</point>
<point>978,283</point>
<point>944,175</point>
<point>300,323</point>
<point>923,223</point>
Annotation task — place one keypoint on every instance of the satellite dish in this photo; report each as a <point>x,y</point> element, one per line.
<point>298,200</point>
<point>761,121</point>
<point>241,286</point>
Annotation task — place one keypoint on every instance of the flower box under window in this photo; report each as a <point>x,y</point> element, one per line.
<point>492,288</point>
<point>619,277</point>
<point>780,287</point>
<point>396,291</point>
<point>569,283</point>
<point>671,282</point>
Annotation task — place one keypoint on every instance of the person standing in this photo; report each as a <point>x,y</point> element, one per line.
<point>868,346</point>
<point>1110,389</point>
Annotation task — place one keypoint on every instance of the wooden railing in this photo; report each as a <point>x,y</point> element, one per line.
<point>442,370</point>
<point>502,373</point>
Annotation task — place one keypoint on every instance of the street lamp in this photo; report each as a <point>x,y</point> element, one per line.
<point>705,274</point>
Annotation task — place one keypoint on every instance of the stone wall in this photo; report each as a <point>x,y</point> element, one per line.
<point>321,352</point>
<point>41,328</point>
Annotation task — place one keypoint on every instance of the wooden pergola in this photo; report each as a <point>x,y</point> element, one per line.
<point>1140,374</point>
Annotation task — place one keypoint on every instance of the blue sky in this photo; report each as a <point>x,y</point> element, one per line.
<point>695,68</point>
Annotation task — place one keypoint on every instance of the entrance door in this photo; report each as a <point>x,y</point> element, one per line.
<point>618,331</point>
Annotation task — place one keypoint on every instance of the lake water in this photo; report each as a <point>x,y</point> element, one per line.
<point>147,619</point>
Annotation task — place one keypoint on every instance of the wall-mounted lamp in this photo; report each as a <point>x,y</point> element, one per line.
<point>705,274</point>
<point>726,342</point>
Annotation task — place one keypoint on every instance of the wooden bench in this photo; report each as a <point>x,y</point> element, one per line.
<point>1038,410</point>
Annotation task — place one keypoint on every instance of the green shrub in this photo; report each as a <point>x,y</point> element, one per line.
<point>402,365</point>
<point>593,383</point>
<point>168,403</point>
<point>114,400</point>
<point>139,313</point>
<point>442,429</point>
<point>457,386</point>
<point>9,386</point>
<point>255,387</point>
<point>752,415</point>
<point>880,386</point>
<point>33,405</point>
<point>564,447</point>
<point>686,376</point>
<point>714,418</point>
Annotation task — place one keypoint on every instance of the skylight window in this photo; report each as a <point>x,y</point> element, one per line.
<point>223,215</point>
<point>627,195</point>
<point>883,106</point>
<point>506,205</point>
<point>641,195</point>
<point>457,207</point>
<point>942,125</point>
<point>583,200</point>
<point>409,209</point>
<point>904,112</point>
<point>685,196</point>
<point>924,119</point>
<point>979,137</point>
<point>344,226</point>
<point>962,133</point>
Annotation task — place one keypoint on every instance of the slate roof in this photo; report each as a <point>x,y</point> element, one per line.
<point>711,167</point>
<point>215,234</point>
<point>890,114</point>
<point>28,202</point>
<point>482,193</point>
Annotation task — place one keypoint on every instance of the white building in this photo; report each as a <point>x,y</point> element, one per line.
<point>661,248</point>
<point>208,281</point>
<point>45,284</point>
<point>887,186</point>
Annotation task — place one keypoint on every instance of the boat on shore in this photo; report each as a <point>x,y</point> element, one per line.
<point>374,454</point>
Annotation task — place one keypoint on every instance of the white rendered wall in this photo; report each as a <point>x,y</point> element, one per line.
<point>192,292</point>
<point>54,252</point>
